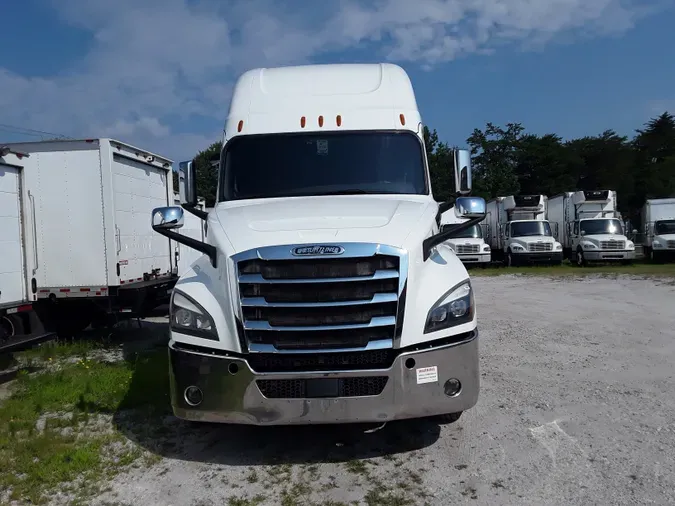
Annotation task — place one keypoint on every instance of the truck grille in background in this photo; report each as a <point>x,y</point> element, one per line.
<point>300,388</point>
<point>612,245</point>
<point>319,303</point>
<point>670,244</point>
<point>540,246</point>
<point>467,248</point>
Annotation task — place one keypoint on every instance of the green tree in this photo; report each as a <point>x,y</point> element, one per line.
<point>542,165</point>
<point>439,156</point>
<point>655,158</point>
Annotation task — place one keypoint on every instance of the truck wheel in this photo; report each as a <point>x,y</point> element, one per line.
<point>10,325</point>
<point>509,259</point>
<point>581,260</point>
<point>448,418</point>
<point>654,257</point>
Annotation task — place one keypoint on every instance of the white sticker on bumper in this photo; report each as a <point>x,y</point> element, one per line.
<point>427,375</point>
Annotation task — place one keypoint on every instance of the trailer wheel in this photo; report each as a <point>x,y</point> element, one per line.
<point>448,418</point>
<point>10,325</point>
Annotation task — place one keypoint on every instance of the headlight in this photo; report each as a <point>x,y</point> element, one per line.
<point>588,245</point>
<point>188,317</point>
<point>657,245</point>
<point>630,245</point>
<point>486,248</point>
<point>517,247</point>
<point>454,308</point>
<point>558,246</point>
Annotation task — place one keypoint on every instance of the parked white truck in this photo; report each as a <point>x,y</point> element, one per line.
<point>20,326</point>
<point>469,245</point>
<point>95,258</point>
<point>658,226</point>
<point>589,227</point>
<point>326,293</point>
<point>519,231</point>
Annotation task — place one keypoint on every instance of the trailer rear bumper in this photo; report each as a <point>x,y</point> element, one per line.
<point>23,342</point>
<point>419,383</point>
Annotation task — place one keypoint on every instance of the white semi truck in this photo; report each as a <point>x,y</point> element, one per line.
<point>20,326</point>
<point>658,226</point>
<point>590,227</point>
<point>469,245</point>
<point>326,292</point>
<point>519,231</point>
<point>92,255</point>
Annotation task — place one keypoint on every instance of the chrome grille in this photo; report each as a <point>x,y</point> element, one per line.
<point>467,248</point>
<point>291,303</point>
<point>540,246</point>
<point>612,244</point>
<point>670,244</point>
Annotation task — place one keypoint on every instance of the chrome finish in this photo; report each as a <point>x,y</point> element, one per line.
<point>167,218</point>
<point>318,249</point>
<point>670,244</point>
<point>290,297</point>
<point>462,170</point>
<point>613,244</point>
<point>378,298</point>
<point>401,398</point>
<point>470,207</point>
<point>381,344</point>
<point>383,321</point>
<point>257,278</point>
<point>540,246</point>
<point>463,249</point>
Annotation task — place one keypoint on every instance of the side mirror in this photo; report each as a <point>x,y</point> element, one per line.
<point>470,208</point>
<point>462,159</point>
<point>582,233</point>
<point>167,218</point>
<point>635,231</point>
<point>187,183</point>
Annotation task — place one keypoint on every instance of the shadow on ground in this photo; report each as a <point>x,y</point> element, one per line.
<point>145,417</point>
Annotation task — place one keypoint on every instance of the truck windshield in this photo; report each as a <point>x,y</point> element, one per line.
<point>530,228</point>
<point>288,165</point>
<point>664,227</point>
<point>474,232</point>
<point>601,226</point>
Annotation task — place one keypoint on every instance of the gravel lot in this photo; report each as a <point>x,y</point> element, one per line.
<point>577,407</point>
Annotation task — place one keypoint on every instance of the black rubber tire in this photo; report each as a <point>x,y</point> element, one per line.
<point>449,418</point>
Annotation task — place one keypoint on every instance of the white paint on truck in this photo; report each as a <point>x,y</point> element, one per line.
<point>327,289</point>
<point>590,227</point>
<point>12,249</point>
<point>658,226</point>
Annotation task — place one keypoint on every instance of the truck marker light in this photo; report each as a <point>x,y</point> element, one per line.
<point>240,126</point>
<point>302,122</point>
<point>452,387</point>
<point>402,118</point>
<point>320,121</point>
<point>338,120</point>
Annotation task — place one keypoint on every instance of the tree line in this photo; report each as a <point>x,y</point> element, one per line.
<point>508,160</point>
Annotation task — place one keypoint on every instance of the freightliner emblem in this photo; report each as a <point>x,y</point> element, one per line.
<point>318,250</point>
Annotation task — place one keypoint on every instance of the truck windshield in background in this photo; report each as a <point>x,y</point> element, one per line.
<point>664,227</point>
<point>475,232</point>
<point>530,228</point>
<point>289,165</point>
<point>601,226</point>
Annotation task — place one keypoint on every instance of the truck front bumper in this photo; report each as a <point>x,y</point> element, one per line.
<point>551,257</point>
<point>232,392</point>
<point>608,255</point>
<point>475,258</point>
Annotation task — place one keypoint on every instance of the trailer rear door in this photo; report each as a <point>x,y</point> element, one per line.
<point>12,263</point>
<point>137,189</point>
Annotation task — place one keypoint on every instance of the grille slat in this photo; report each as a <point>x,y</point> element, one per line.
<point>302,388</point>
<point>467,248</point>
<point>670,244</point>
<point>616,245</point>
<point>315,303</point>
<point>540,246</point>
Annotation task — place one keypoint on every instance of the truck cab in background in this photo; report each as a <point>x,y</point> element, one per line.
<point>658,226</point>
<point>519,231</point>
<point>326,292</point>
<point>469,245</point>
<point>590,227</point>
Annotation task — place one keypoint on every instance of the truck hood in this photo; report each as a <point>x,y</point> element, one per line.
<point>603,237</point>
<point>383,219</point>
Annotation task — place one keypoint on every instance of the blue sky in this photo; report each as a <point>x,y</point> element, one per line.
<point>158,73</point>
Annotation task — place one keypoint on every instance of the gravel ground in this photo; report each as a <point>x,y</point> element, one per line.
<point>576,407</point>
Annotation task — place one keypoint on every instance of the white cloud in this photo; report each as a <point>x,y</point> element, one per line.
<point>153,64</point>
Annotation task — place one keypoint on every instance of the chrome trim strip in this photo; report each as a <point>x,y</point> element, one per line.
<point>378,298</point>
<point>378,321</point>
<point>258,279</point>
<point>380,344</point>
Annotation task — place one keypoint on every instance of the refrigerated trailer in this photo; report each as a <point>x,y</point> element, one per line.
<point>590,227</point>
<point>658,225</point>
<point>519,232</point>
<point>20,326</point>
<point>95,259</point>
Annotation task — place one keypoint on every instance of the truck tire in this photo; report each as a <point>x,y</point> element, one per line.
<point>509,258</point>
<point>580,259</point>
<point>10,325</point>
<point>448,418</point>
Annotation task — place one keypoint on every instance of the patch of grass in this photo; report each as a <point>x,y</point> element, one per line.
<point>55,428</point>
<point>246,501</point>
<point>382,496</point>
<point>357,467</point>
<point>566,269</point>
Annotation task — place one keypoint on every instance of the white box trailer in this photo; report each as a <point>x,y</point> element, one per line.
<point>519,232</point>
<point>96,258</point>
<point>658,225</point>
<point>589,226</point>
<point>192,227</point>
<point>20,326</point>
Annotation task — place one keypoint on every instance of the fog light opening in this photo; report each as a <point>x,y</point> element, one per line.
<point>233,368</point>
<point>452,387</point>
<point>410,363</point>
<point>193,396</point>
